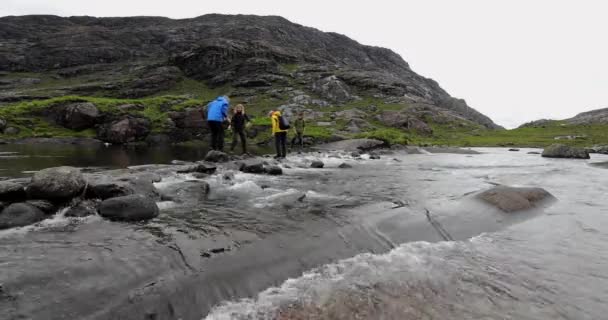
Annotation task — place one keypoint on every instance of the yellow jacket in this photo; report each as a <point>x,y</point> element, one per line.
<point>275,122</point>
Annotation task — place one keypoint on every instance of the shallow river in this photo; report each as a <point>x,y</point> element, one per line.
<point>334,244</point>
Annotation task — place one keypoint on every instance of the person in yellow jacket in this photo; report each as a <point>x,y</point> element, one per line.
<point>280,135</point>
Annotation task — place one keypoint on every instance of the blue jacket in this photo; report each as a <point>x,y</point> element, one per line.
<point>217,110</point>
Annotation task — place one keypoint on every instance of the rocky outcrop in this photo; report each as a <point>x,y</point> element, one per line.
<point>56,184</point>
<point>19,215</point>
<point>128,129</point>
<point>75,116</point>
<point>129,208</point>
<point>140,56</point>
<point>599,116</point>
<point>598,149</point>
<point>564,151</point>
<point>510,199</point>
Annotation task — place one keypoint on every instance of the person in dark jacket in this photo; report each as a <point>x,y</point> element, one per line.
<point>217,113</point>
<point>238,122</point>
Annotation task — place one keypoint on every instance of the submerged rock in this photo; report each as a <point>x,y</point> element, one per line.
<point>563,151</point>
<point>274,170</point>
<point>514,149</point>
<point>198,167</point>
<point>217,156</point>
<point>129,208</point>
<point>317,164</point>
<point>60,183</point>
<point>11,191</point>
<point>253,167</point>
<point>44,205</point>
<point>83,209</point>
<point>510,199</point>
<point>105,187</point>
<point>19,215</point>
<point>187,191</point>
<point>345,165</point>
<point>533,152</point>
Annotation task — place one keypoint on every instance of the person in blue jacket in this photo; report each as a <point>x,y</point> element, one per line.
<point>217,113</point>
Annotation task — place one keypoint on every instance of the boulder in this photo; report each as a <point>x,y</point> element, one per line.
<point>345,165</point>
<point>3,124</point>
<point>105,187</point>
<point>317,164</point>
<point>134,207</point>
<point>274,170</point>
<point>514,149</point>
<point>563,151</point>
<point>19,215</point>
<point>126,130</point>
<point>190,191</point>
<point>217,156</point>
<point>11,191</point>
<point>253,167</point>
<point>333,89</point>
<point>56,184</point>
<point>82,209</point>
<point>598,149</point>
<point>510,199</point>
<point>77,116</point>
<point>12,131</point>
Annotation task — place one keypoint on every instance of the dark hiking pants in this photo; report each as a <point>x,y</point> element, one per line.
<point>280,141</point>
<point>217,135</point>
<point>236,134</point>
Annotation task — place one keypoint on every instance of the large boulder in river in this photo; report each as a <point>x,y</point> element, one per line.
<point>129,208</point>
<point>273,170</point>
<point>11,191</point>
<point>216,156</point>
<point>126,130</point>
<point>56,184</point>
<point>510,199</point>
<point>186,192</point>
<point>77,116</point>
<point>317,164</point>
<point>19,215</point>
<point>253,167</point>
<point>105,187</point>
<point>563,151</point>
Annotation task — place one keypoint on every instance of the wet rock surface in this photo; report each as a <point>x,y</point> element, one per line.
<point>129,208</point>
<point>564,151</point>
<point>511,199</point>
<point>19,215</point>
<point>217,156</point>
<point>59,183</point>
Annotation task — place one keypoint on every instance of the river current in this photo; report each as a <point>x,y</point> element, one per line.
<point>549,264</point>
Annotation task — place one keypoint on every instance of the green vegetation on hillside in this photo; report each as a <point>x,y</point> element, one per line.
<point>28,118</point>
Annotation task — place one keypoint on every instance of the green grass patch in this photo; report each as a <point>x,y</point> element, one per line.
<point>388,135</point>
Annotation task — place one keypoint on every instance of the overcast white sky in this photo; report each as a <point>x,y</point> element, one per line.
<point>513,60</point>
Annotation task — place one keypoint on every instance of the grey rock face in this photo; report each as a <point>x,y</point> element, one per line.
<point>129,208</point>
<point>19,215</point>
<point>60,183</point>
<point>126,130</point>
<point>599,116</point>
<point>563,151</point>
<point>510,199</point>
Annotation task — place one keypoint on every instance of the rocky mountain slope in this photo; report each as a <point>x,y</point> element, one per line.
<point>262,61</point>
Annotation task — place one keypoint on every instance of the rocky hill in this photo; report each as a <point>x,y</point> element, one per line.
<point>261,61</point>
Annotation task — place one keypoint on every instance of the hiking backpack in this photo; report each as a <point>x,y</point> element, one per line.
<point>283,123</point>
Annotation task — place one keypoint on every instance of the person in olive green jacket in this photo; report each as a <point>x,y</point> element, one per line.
<point>298,126</point>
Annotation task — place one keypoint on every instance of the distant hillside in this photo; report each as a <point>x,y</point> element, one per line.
<point>48,56</point>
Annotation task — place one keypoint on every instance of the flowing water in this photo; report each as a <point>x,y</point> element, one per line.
<point>552,267</point>
<point>334,244</point>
